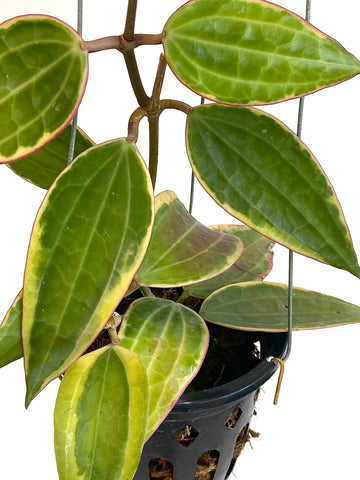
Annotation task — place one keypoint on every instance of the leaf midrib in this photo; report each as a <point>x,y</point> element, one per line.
<point>235,78</point>
<point>61,316</point>
<point>97,416</point>
<point>239,48</point>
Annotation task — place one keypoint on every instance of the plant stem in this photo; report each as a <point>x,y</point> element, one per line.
<point>148,39</point>
<point>119,42</point>
<point>113,335</point>
<point>135,79</point>
<point>153,118</point>
<point>129,56</point>
<point>100,44</point>
<point>177,105</point>
<point>183,297</point>
<point>153,147</point>
<point>159,79</point>
<point>146,291</point>
<point>111,326</point>
<point>130,21</point>
<point>125,44</point>
<point>133,126</point>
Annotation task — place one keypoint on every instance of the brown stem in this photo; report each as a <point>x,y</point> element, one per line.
<point>177,105</point>
<point>159,79</point>
<point>153,147</point>
<point>148,39</point>
<point>146,291</point>
<point>154,112</point>
<point>130,21</point>
<point>111,325</point>
<point>113,335</point>
<point>119,42</point>
<point>105,43</point>
<point>129,56</point>
<point>133,126</point>
<point>135,79</point>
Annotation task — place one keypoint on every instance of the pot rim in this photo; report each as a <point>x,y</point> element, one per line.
<point>272,345</point>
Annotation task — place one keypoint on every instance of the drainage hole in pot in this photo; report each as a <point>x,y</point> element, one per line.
<point>160,469</point>
<point>206,465</point>
<point>233,418</point>
<point>187,435</point>
<point>243,438</point>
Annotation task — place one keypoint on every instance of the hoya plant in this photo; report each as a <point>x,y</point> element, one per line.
<point>121,286</point>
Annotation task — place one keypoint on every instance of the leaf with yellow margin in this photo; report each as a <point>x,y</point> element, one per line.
<point>100,416</point>
<point>89,238</point>
<point>43,76</point>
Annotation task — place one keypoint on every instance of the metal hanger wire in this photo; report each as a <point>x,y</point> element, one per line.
<point>291,255</point>
<point>75,118</point>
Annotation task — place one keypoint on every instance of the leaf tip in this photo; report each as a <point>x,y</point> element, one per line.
<point>356,271</point>
<point>31,392</point>
<point>28,399</point>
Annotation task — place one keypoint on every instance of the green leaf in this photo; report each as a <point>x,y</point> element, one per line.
<point>43,166</point>
<point>172,341</point>
<point>262,174</point>
<point>42,79</point>
<point>251,52</point>
<point>10,333</point>
<point>254,263</point>
<point>182,250</point>
<point>88,240</point>
<point>100,416</point>
<point>263,306</point>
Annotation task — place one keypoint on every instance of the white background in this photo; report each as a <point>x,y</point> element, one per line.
<point>313,432</point>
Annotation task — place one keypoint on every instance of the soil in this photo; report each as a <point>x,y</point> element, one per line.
<point>231,353</point>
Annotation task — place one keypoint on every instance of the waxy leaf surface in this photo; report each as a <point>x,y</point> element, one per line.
<point>181,249</point>
<point>43,166</point>
<point>262,174</point>
<point>172,341</point>
<point>89,239</point>
<point>42,79</point>
<point>254,263</point>
<point>263,306</point>
<point>251,52</point>
<point>100,416</point>
<point>10,333</point>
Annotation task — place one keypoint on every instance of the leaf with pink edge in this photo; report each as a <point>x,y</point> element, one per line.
<point>261,173</point>
<point>172,341</point>
<point>100,416</point>
<point>88,240</point>
<point>182,250</point>
<point>251,52</point>
<point>254,263</point>
<point>43,76</point>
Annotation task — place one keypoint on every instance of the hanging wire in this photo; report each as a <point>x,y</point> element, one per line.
<point>291,254</point>
<point>75,118</point>
<point>80,17</point>
<point>192,185</point>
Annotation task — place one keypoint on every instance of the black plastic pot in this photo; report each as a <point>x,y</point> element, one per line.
<point>215,416</point>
